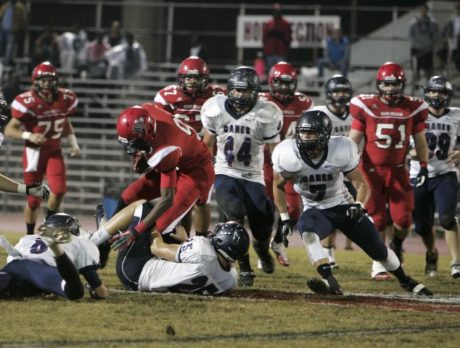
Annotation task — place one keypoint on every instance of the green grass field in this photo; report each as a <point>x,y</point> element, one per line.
<point>278,312</point>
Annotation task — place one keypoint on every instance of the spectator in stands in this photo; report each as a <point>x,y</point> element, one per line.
<point>198,49</point>
<point>13,16</point>
<point>115,35</point>
<point>95,57</point>
<point>11,85</point>
<point>72,46</point>
<point>46,47</point>
<point>126,61</point>
<point>259,66</point>
<point>277,36</point>
<point>336,53</point>
<point>423,35</point>
<point>451,32</point>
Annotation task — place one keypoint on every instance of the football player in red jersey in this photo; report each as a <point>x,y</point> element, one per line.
<point>177,165</point>
<point>282,81</point>
<point>387,121</point>
<point>184,101</point>
<point>41,116</point>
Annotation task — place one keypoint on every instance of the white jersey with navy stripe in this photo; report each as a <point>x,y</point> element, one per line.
<point>323,187</point>
<point>196,270</point>
<point>81,251</point>
<point>341,125</point>
<point>441,135</point>
<point>241,141</point>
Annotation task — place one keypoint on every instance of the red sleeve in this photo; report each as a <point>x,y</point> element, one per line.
<point>169,162</point>
<point>168,179</point>
<point>419,121</point>
<point>358,125</point>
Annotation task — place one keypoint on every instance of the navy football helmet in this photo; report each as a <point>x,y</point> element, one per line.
<point>444,88</point>
<point>230,239</point>
<point>62,221</point>
<point>317,122</point>
<point>243,79</point>
<point>335,84</point>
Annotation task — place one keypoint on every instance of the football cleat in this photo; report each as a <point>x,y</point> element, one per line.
<point>328,286</point>
<point>416,288</point>
<point>266,259</point>
<point>246,279</point>
<point>431,265</point>
<point>100,215</point>
<point>379,272</point>
<point>280,252</point>
<point>455,269</point>
<point>382,276</point>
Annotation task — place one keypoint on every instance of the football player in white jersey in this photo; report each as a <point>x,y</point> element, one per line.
<point>51,261</point>
<point>338,95</point>
<point>242,124</point>
<point>317,164</point>
<point>442,132</point>
<point>199,265</point>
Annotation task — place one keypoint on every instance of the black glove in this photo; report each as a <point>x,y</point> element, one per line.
<point>3,121</point>
<point>422,177</point>
<point>356,212</point>
<point>287,227</point>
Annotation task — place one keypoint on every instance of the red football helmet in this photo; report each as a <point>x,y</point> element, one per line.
<point>136,129</point>
<point>282,81</point>
<point>391,81</point>
<point>45,78</point>
<point>193,76</point>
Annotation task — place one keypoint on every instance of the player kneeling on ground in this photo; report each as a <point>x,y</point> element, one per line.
<point>316,164</point>
<point>199,265</point>
<point>51,262</point>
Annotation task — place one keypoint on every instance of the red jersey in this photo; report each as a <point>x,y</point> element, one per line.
<point>37,115</point>
<point>175,144</point>
<point>291,113</point>
<point>183,106</point>
<point>387,129</point>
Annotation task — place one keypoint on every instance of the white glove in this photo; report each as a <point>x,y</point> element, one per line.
<point>38,190</point>
<point>2,137</point>
<point>11,250</point>
<point>73,143</point>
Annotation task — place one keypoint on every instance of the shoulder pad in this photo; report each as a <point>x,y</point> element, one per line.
<point>343,150</point>
<point>268,112</point>
<point>213,106</point>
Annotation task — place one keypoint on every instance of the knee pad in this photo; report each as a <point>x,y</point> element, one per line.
<point>33,202</point>
<point>448,221</point>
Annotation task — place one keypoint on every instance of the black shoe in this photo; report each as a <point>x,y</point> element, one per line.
<point>266,259</point>
<point>431,265</point>
<point>100,215</point>
<point>246,279</point>
<point>398,251</point>
<point>328,286</point>
<point>418,289</point>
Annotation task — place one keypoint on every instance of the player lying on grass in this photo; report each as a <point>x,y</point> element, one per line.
<point>316,164</point>
<point>51,261</point>
<point>199,265</point>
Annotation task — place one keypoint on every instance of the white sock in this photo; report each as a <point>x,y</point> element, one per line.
<point>315,250</point>
<point>100,236</point>
<point>392,262</point>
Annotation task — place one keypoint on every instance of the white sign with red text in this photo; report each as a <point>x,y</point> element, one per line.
<point>307,31</point>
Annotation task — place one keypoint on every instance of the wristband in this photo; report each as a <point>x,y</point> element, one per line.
<point>423,164</point>
<point>22,188</point>
<point>360,203</point>
<point>284,216</point>
<point>26,135</point>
